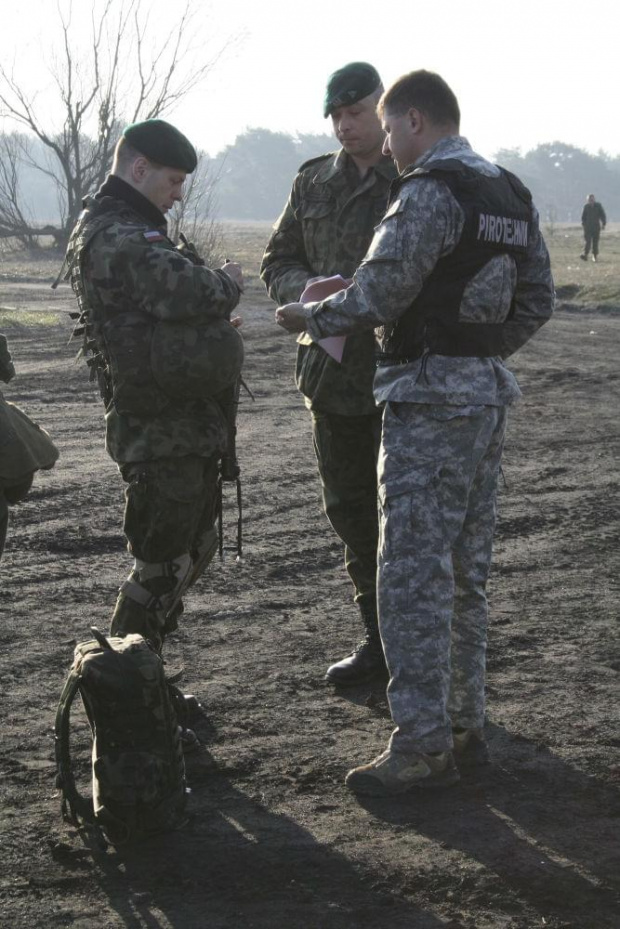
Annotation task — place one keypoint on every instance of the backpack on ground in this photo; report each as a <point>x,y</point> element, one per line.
<point>138,771</point>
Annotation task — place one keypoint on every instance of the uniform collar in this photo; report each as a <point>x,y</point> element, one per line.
<point>119,189</point>
<point>337,165</point>
<point>449,147</point>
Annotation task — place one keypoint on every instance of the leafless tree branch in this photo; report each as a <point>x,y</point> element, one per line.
<point>124,77</point>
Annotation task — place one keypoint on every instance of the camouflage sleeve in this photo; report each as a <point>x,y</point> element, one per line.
<point>534,296</point>
<point>285,268</point>
<point>421,226</point>
<point>160,281</point>
<point>7,370</point>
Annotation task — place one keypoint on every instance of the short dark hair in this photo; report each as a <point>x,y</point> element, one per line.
<point>124,153</point>
<point>427,92</point>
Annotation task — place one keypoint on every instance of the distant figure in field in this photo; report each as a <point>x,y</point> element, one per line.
<point>593,219</point>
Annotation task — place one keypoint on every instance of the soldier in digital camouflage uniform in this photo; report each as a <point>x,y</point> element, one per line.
<point>468,276</point>
<point>145,305</point>
<point>325,230</point>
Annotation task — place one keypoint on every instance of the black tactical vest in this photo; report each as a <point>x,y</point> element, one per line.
<point>498,220</point>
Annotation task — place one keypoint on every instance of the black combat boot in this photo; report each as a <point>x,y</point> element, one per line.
<point>366,662</point>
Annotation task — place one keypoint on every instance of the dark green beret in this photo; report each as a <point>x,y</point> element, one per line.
<point>158,141</point>
<point>350,84</point>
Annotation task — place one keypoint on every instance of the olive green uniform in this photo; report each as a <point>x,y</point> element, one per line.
<point>143,305</point>
<point>324,230</point>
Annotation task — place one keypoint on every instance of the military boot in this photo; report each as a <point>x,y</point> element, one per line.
<point>366,662</point>
<point>393,773</point>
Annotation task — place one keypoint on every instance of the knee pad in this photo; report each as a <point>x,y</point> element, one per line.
<point>154,590</point>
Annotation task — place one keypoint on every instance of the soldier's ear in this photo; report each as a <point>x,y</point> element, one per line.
<point>139,168</point>
<point>416,119</point>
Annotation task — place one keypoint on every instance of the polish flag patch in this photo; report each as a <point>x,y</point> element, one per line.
<point>154,236</point>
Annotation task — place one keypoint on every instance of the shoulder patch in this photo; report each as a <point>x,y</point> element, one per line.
<point>153,235</point>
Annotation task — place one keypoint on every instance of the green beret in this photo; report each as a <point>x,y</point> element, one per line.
<point>350,84</point>
<point>158,141</point>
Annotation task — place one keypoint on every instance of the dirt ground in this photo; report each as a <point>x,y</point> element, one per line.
<point>275,841</point>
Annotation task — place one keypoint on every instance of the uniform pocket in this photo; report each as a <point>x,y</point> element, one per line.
<point>316,209</point>
<point>410,514</point>
<point>128,343</point>
<point>309,369</point>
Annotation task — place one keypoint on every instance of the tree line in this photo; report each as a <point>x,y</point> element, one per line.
<point>251,180</point>
<point>255,174</point>
<point>561,176</point>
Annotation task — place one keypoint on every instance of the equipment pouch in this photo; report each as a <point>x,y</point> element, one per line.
<point>128,343</point>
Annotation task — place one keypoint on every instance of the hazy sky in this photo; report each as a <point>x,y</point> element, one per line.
<point>526,72</point>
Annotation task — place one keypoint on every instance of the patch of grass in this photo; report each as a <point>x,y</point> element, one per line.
<point>14,318</point>
<point>588,282</point>
<point>245,242</point>
<point>22,265</point>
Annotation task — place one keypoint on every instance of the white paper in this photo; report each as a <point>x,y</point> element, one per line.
<point>319,290</point>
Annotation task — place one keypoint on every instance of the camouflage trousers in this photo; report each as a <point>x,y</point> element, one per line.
<point>170,512</point>
<point>346,450</point>
<point>438,471</point>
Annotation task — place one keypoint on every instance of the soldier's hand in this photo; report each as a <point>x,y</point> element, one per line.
<point>236,321</point>
<point>7,371</point>
<point>188,250</point>
<point>291,317</point>
<point>234,272</point>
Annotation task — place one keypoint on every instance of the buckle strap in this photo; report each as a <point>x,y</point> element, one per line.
<point>385,359</point>
<point>147,570</point>
<point>141,595</point>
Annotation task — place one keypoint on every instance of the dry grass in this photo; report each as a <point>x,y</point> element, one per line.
<point>578,282</point>
<point>583,282</point>
<point>245,242</point>
<point>13,317</point>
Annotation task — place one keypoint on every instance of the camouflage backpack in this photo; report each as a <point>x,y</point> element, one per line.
<point>138,772</point>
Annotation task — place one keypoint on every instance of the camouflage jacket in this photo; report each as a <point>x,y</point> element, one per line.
<point>128,276</point>
<point>423,224</point>
<point>325,229</point>
<point>7,369</point>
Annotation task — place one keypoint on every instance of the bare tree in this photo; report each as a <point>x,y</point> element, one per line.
<point>15,220</point>
<point>124,76</point>
<point>195,213</point>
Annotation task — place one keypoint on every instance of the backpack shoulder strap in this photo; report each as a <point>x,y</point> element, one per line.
<point>77,804</point>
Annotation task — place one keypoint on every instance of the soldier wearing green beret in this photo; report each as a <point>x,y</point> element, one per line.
<point>156,324</point>
<point>325,230</point>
